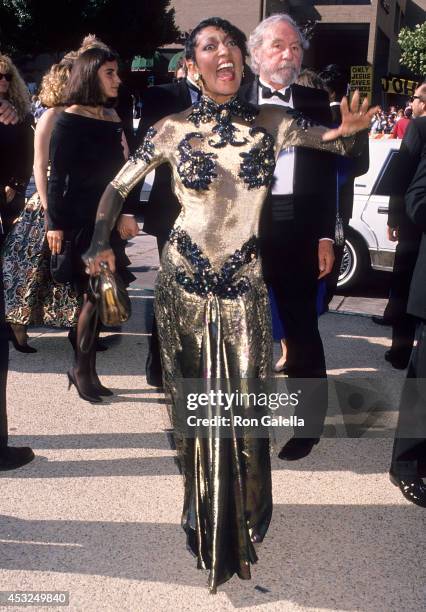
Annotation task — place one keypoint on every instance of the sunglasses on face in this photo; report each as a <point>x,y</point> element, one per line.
<point>7,77</point>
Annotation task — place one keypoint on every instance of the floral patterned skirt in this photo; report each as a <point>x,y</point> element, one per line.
<point>31,296</point>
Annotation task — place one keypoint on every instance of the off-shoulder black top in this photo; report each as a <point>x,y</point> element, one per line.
<point>85,156</point>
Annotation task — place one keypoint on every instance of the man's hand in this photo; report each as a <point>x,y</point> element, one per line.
<point>8,114</point>
<point>325,257</point>
<point>127,227</point>
<point>393,234</point>
<point>55,239</point>
<point>10,193</point>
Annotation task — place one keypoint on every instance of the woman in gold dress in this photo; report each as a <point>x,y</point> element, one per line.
<point>211,303</point>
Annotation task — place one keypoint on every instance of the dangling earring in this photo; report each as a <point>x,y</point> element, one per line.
<point>243,73</point>
<point>197,77</point>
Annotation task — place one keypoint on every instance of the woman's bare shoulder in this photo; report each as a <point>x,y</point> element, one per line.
<point>48,119</point>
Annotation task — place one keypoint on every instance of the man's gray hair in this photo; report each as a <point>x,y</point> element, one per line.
<point>256,37</point>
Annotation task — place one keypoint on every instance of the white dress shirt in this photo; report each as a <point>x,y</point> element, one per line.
<point>284,170</point>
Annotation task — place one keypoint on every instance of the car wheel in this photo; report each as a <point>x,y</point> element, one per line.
<point>354,262</point>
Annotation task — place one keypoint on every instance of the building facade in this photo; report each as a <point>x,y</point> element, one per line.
<point>348,32</point>
<point>246,14</point>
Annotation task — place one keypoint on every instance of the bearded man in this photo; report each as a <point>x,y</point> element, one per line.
<point>298,221</point>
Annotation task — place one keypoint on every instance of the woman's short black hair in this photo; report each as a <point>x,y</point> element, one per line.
<point>83,86</point>
<point>216,22</point>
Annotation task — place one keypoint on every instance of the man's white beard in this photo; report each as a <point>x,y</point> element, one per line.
<point>283,78</point>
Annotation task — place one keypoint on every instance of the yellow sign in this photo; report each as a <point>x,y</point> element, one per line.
<point>399,85</point>
<point>362,79</point>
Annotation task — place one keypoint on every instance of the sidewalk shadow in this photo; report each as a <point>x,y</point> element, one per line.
<point>96,440</point>
<point>94,468</point>
<point>355,456</point>
<point>342,558</point>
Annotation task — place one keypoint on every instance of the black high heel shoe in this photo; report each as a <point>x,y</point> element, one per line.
<point>23,347</point>
<point>93,399</point>
<point>101,390</point>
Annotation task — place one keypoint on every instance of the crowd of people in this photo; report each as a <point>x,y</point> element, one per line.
<point>391,123</point>
<point>230,199</point>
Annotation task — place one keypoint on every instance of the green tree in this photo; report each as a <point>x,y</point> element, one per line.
<point>413,47</point>
<point>37,26</point>
<point>129,26</point>
<point>136,26</point>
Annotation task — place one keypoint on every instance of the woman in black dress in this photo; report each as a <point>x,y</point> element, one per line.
<point>86,150</point>
<point>31,295</point>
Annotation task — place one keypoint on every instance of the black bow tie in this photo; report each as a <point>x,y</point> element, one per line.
<point>269,93</point>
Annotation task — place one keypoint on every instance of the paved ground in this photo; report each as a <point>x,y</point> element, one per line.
<point>97,513</point>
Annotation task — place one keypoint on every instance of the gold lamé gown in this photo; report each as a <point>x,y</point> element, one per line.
<point>212,306</point>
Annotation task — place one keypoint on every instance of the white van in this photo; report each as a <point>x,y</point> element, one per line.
<point>367,246</point>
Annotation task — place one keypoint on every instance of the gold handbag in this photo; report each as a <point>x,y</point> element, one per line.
<point>113,300</point>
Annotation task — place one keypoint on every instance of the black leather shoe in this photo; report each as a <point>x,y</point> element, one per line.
<point>411,486</point>
<point>397,360</point>
<point>99,389</point>
<point>88,393</point>
<point>18,337</point>
<point>13,457</point>
<point>256,538</point>
<point>297,448</point>
<point>381,320</point>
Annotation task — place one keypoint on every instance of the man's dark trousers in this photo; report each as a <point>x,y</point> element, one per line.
<point>290,264</point>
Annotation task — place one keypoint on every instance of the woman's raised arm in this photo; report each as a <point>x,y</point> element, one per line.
<point>348,139</point>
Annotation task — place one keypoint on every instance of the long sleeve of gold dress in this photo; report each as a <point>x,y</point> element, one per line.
<point>212,306</point>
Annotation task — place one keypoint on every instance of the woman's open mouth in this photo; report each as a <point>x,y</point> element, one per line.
<point>226,71</point>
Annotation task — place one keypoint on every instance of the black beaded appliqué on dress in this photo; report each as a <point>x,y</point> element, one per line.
<point>302,120</point>
<point>257,167</point>
<point>196,168</point>
<point>205,280</point>
<point>207,110</point>
<point>146,151</point>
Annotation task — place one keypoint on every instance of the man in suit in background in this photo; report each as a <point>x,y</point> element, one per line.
<point>298,219</point>
<point>11,457</point>
<point>163,207</point>
<point>401,229</point>
<point>409,452</point>
<point>348,169</point>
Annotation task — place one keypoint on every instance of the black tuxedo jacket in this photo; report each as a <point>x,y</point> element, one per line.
<point>409,156</point>
<point>351,168</point>
<point>416,210</point>
<point>163,206</point>
<point>315,172</point>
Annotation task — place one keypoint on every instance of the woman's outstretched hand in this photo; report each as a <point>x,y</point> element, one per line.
<point>354,119</point>
<point>107,257</point>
